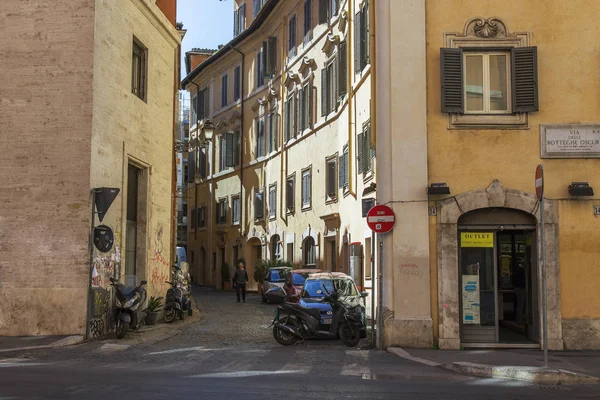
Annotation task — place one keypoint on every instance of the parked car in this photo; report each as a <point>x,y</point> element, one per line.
<point>275,277</point>
<point>319,285</point>
<point>295,282</point>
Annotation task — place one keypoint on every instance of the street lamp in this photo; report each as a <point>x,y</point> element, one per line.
<point>207,130</point>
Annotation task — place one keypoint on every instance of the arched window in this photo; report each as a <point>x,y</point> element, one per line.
<point>310,253</point>
<point>276,247</point>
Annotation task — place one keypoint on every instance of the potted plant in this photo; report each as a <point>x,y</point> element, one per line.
<point>225,277</point>
<point>152,310</point>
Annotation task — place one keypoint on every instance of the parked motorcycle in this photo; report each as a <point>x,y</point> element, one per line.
<point>293,322</point>
<point>177,299</point>
<point>129,313</point>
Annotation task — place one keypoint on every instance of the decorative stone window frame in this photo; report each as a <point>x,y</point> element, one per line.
<point>237,197</point>
<point>484,34</point>
<point>331,198</point>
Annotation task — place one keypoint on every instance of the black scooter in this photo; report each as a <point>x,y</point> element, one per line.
<point>129,313</point>
<point>177,300</point>
<point>293,321</point>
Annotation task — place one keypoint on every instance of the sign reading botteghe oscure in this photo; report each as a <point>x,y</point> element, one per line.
<point>570,141</point>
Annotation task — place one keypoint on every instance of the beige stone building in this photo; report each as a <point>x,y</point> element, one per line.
<point>474,95</point>
<point>286,172</point>
<point>88,100</point>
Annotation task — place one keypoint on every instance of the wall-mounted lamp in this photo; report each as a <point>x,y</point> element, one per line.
<point>580,189</point>
<point>438,188</point>
<point>207,130</point>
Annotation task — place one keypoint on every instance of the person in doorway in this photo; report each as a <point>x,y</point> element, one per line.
<point>240,278</point>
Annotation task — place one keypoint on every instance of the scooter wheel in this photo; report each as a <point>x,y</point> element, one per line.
<point>170,315</point>
<point>182,315</point>
<point>282,337</point>
<point>348,335</point>
<point>121,329</point>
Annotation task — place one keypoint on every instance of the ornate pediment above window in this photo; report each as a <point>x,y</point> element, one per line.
<point>330,42</point>
<point>272,94</point>
<point>290,80</point>
<point>485,32</point>
<point>234,118</point>
<point>222,124</point>
<point>343,22</point>
<point>259,106</point>
<point>306,66</point>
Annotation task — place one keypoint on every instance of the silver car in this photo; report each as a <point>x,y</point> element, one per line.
<point>275,277</point>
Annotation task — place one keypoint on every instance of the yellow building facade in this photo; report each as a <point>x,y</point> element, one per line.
<point>482,92</point>
<point>284,175</point>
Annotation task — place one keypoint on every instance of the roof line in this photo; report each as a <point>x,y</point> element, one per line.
<point>257,23</point>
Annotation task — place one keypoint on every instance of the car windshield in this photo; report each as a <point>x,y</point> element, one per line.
<point>278,275</point>
<point>299,279</point>
<point>323,287</point>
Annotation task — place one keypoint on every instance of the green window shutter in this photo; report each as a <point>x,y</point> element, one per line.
<point>334,86</point>
<point>229,138</point>
<point>524,79</point>
<point>202,162</point>
<point>289,194</point>
<point>286,121</point>
<point>346,169</point>
<point>324,92</point>
<point>275,130</point>
<point>271,56</point>
<point>293,116</point>
<point>264,55</point>
<point>341,171</point>
<point>367,150</point>
<point>357,45</point>
<point>323,11</point>
<point>359,153</point>
<point>331,189</point>
<point>236,149</point>
<point>451,70</point>
<point>342,59</point>
<point>269,137</point>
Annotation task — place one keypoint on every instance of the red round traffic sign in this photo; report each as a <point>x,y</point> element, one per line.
<point>381,219</point>
<point>539,181</point>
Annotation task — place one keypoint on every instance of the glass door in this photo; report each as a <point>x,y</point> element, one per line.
<point>478,286</point>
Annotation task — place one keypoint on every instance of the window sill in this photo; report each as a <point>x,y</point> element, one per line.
<point>331,200</point>
<point>484,122</point>
<point>306,208</point>
<point>236,223</point>
<point>272,217</point>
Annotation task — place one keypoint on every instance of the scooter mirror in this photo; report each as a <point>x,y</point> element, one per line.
<point>143,282</point>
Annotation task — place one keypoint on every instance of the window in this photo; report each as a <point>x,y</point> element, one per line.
<point>222,212</point>
<point>290,252</point>
<point>228,150</point>
<point>305,107</point>
<point>260,73</point>
<point>202,162</point>
<point>224,89</point>
<point>235,211</point>
<point>361,39</point>
<point>488,82</point>
<point>307,21</point>
<point>289,193</point>
<point>273,201</point>
<point>272,131</point>
<point>203,103</point>
<point>330,179</point>
<point>329,98</point>
<point>256,9</point>
<point>306,188</point>
<point>327,10</point>
<point>201,217</point>
<point>236,137</point>
<point>269,57</point>
<point>193,218</point>
<point>260,137</point>
<point>343,169</point>
<point>290,117</point>
<point>310,252</point>
<point>239,20</point>
<point>237,83</point>
<point>259,204</point>
<point>139,69</point>
<point>191,162</point>
<point>194,109</point>
<point>292,37</point>
<point>275,247</point>
<point>365,151</point>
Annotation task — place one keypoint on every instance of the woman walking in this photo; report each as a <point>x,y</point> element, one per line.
<point>240,278</point>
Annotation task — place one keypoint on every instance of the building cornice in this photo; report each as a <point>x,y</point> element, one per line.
<point>160,22</point>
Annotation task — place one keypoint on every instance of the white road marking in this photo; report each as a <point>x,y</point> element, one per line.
<point>109,348</point>
<point>356,363</point>
<point>243,374</point>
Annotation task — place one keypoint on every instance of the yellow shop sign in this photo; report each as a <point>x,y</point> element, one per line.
<point>476,239</point>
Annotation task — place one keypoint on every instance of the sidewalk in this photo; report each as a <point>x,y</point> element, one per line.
<point>564,367</point>
<point>18,343</point>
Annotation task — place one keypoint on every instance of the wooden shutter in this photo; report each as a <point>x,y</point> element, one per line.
<point>307,21</point>
<point>359,153</point>
<point>229,139</point>
<point>293,116</point>
<point>224,88</point>
<point>202,162</point>
<point>236,148</point>
<point>524,79</point>
<point>265,59</point>
<point>371,149</point>
<point>236,83</point>
<point>275,130</point>
<point>324,110</point>
<point>191,166</point>
<point>331,179</point>
<point>286,121</point>
<point>272,56</point>
<point>200,110</point>
<point>451,69</point>
<point>366,148</point>
<point>310,100</point>
<point>259,205</point>
<point>242,16</point>
<point>346,169</point>
<point>206,103</point>
<point>334,86</point>
<point>323,11</point>
<point>342,60</point>
<point>236,22</point>
<point>357,44</point>
<point>341,171</point>
<point>301,110</point>
<point>289,194</point>
<point>364,39</point>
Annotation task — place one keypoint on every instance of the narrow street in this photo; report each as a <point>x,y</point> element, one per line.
<point>229,352</point>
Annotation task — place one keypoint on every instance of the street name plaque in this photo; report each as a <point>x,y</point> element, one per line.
<point>570,141</point>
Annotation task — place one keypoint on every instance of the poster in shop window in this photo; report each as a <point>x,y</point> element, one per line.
<point>471,304</point>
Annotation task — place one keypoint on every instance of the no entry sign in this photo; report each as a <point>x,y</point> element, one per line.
<point>539,181</point>
<point>381,219</point>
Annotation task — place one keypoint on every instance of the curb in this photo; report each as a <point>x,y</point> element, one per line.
<point>68,341</point>
<point>537,375</point>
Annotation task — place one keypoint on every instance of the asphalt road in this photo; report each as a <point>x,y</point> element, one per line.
<point>230,354</point>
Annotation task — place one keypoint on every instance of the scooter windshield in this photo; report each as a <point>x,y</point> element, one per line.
<point>127,284</point>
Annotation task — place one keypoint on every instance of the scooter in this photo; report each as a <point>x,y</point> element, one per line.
<point>293,322</point>
<point>177,299</point>
<point>129,314</point>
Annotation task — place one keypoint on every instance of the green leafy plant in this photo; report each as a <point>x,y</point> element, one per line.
<point>262,266</point>
<point>154,304</point>
<point>225,272</point>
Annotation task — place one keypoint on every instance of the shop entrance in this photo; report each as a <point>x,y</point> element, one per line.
<point>498,281</point>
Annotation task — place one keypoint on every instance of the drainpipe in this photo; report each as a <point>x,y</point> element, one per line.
<point>242,202</point>
<point>194,182</point>
<point>351,132</point>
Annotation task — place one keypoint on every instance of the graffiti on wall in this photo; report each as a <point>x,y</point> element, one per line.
<point>101,312</point>
<point>160,266</point>
<point>106,266</point>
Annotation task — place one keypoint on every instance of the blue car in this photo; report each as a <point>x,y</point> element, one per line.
<point>317,286</point>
